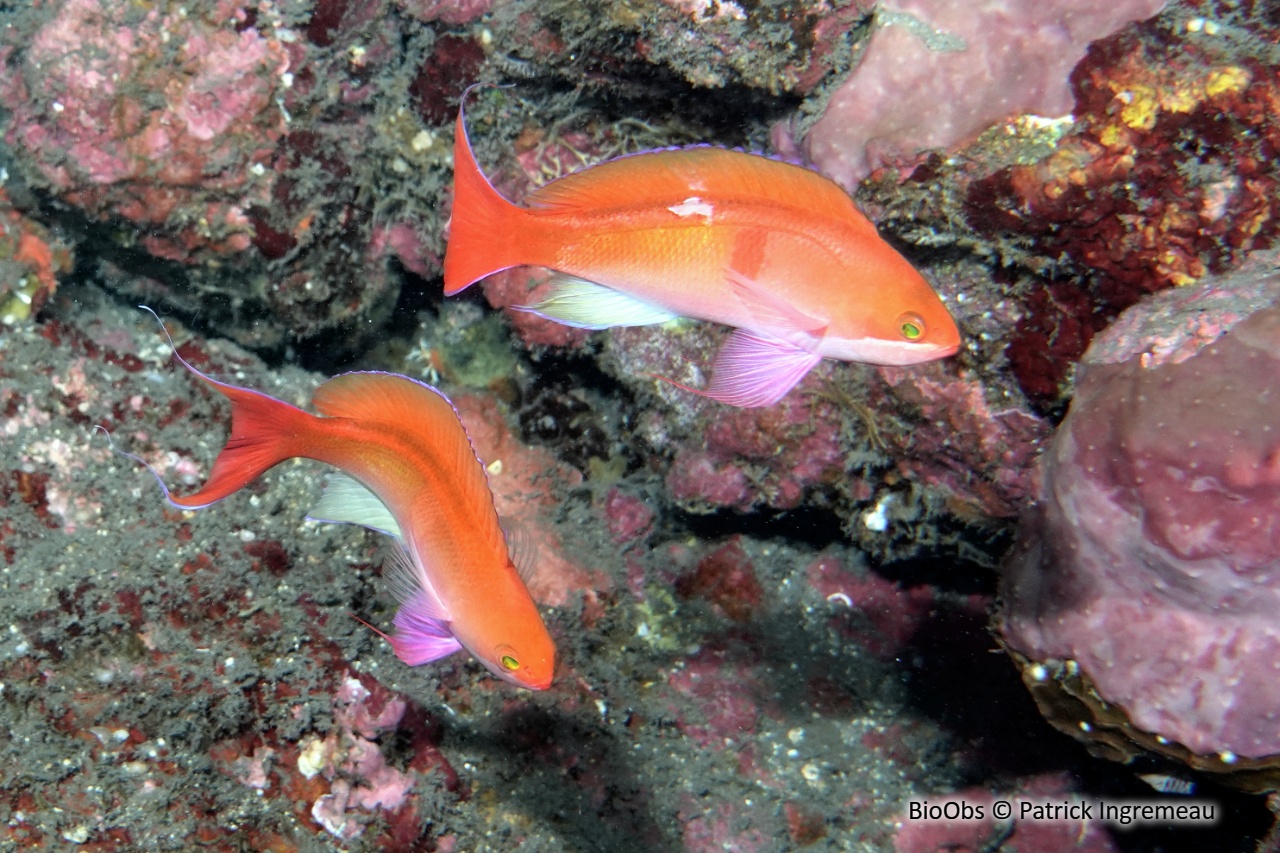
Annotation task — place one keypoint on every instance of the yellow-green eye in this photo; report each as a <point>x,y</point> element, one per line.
<point>911,326</point>
<point>510,663</point>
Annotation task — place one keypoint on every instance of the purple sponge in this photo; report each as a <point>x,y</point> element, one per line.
<point>939,72</point>
<point>1153,558</point>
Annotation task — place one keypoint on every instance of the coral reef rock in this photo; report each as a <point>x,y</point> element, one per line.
<point>965,67</point>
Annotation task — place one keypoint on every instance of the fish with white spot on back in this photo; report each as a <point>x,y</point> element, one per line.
<point>773,249</point>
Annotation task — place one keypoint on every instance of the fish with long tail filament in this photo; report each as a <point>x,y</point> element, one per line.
<point>773,249</point>
<point>407,469</point>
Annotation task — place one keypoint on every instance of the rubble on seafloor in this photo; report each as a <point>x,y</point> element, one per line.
<point>773,624</point>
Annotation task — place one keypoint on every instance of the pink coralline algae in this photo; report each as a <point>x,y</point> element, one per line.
<point>723,692</point>
<point>981,455</point>
<point>879,615</point>
<point>937,73</point>
<point>353,762</point>
<point>770,456</point>
<point>628,517</point>
<point>727,580</point>
<point>452,12</point>
<point>1149,568</point>
<point>161,118</point>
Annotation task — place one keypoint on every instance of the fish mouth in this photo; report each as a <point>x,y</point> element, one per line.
<point>894,353</point>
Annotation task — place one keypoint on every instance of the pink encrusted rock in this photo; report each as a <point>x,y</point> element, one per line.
<point>772,456</point>
<point>696,477</point>
<point>353,761</point>
<point>451,12</point>
<point>711,825</point>
<point>977,453</point>
<point>527,482</point>
<point>938,72</point>
<point>153,115</point>
<point>725,694</point>
<point>1153,557</point>
<point>879,614</point>
<point>627,517</point>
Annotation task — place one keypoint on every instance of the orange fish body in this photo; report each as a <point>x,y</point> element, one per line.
<point>775,250</point>
<point>410,471</point>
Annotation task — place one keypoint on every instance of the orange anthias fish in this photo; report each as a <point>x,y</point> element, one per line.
<point>408,470</point>
<point>773,249</point>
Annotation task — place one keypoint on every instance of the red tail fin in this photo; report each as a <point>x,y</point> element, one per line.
<point>483,230</point>
<point>264,433</point>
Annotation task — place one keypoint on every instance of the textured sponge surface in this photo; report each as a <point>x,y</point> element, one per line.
<point>1153,557</point>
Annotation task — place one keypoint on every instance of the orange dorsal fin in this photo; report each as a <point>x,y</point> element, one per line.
<point>713,175</point>
<point>412,408</point>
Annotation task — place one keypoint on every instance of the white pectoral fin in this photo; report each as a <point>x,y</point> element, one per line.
<point>586,305</point>
<point>770,311</point>
<point>754,370</point>
<point>346,501</point>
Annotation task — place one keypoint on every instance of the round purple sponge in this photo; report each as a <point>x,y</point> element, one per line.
<point>1153,557</point>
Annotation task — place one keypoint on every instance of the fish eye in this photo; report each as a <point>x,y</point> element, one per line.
<point>510,663</point>
<point>911,326</point>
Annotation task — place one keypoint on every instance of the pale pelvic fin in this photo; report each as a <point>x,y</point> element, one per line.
<point>419,637</point>
<point>754,370</point>
<point>347,501</point>
<point>584,304</point>
<point>407,583</point>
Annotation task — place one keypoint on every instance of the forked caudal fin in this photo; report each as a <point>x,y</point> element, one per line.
<point>264,432</point>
